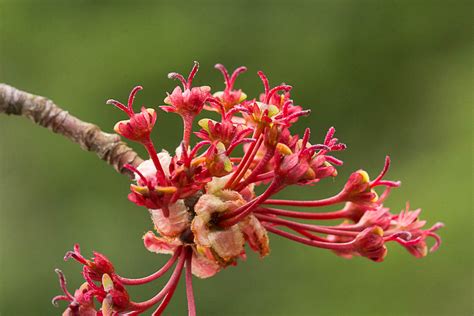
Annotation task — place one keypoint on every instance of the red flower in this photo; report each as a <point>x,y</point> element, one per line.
<point>203,202</point>
<point>230,97</point>
<point>188,102</point>
<point>138,128</point>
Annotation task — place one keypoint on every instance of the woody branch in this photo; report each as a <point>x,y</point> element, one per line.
<point>90,137</point>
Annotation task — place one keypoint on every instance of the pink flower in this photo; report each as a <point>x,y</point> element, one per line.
<point>138,128</point>
<point>188,102</point>
<point>408,221</point>
<point>203,202</point>
<point>230,97</point>
<point>81,303</point>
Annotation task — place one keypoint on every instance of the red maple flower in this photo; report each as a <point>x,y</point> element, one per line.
<point>203,202</point>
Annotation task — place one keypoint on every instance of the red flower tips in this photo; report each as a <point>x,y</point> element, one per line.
<point>204,203</point>
<point>139,125</point>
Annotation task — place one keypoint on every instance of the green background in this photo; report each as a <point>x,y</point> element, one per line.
<point>394,77</point>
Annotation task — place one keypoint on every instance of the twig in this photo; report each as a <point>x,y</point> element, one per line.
<point>90,137</point>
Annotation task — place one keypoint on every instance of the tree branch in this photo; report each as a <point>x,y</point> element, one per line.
<point>90,137</point>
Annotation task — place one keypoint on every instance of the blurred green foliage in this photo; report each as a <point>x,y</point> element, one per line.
<point>394,77</point>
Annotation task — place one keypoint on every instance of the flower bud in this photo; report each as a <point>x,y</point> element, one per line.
<point>358,189</point>
<point>138,128</point>
<point>370,244</point>
<point>99,266</point>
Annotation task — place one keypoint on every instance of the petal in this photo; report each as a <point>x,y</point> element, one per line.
<point>160,244</point>
<point>175,223</point>
<point>227,244</point>
<point>203,267</point>
<point>255,234</point>
<point>147,167</point>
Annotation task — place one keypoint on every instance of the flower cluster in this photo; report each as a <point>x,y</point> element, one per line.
<point>204,206</point>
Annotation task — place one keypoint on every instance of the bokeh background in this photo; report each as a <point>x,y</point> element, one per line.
<point>394,77</point>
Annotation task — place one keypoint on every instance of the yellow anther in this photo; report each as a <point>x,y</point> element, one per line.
<point>283,149</point>
<point>273,110</point>
<point>378,230</point>
<point>139,189</point>
<point>204,123</point>
<point>197,161</point>
<point>107,282</point>
<point>243,96</point>
<point>227,164</point>
<point>310,174</point>
<point>151,111</point>
<point>166,190</point>
<point>365,175</point>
